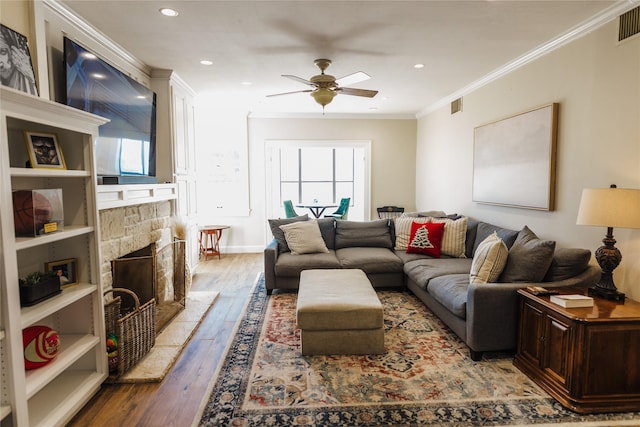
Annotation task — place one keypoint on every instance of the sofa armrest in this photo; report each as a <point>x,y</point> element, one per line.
<point>492,310</point>
<point>270,258</point>
<point>492,315</point>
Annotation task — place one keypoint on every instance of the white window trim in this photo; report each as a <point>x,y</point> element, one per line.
<point>272,145</point>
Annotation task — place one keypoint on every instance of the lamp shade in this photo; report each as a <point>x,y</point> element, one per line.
<point>610,207</point>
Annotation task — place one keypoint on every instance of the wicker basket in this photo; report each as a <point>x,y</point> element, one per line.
<point>135,331</point>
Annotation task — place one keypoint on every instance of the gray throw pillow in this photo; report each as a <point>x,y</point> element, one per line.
<point>278,234</point>
<point>472,229</point>
<point>351,234</point>
<point>327,229</point>
<point>485,229</point>
<point>529,258</point>
<point>567,263</point>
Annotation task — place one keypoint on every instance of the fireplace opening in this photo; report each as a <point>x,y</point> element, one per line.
<point>153,272</point>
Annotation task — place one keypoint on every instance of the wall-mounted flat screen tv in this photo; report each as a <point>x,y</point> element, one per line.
<point>125,150</point>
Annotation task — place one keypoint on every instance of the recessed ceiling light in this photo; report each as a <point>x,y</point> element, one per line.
<point>245,83</point>
<point>206,62</point>
<point>418,66</point>
<point>373,108</point>
<point>169,12</point>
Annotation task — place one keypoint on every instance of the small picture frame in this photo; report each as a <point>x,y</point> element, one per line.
<point>67,270</point>
<point>44,150</point>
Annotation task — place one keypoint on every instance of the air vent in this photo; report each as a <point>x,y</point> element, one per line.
<point>629,24</point>
<point>456,106</point>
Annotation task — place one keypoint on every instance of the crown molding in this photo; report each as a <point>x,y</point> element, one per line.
<point>573,34</point>
<point>96,36</point>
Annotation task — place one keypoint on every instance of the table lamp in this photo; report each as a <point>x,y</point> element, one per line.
<point>609,207</point>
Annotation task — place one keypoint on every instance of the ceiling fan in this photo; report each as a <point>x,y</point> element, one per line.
<point>326,87</point>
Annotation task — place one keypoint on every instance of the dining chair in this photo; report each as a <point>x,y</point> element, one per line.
<point>289,211</point>
<point>342,211</point>
<point>386,212</point>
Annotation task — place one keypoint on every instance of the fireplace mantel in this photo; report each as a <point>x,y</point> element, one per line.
<point>117,196</point>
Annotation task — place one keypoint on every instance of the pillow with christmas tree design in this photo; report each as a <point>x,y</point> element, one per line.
<point>426,238</point>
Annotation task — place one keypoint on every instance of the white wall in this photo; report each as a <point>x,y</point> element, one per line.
<point>393,145</point>
<point>597,84</point>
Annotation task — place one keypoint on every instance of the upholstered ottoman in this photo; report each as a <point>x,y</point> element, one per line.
<point>338,312</point>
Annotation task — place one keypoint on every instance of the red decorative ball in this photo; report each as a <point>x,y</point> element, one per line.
<point>41,344</point>
<point>31,210</point>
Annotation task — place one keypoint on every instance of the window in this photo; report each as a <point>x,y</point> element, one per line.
<point>316,174</point>
<point>326,170</point>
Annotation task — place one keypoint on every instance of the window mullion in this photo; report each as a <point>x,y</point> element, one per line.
<point>299,175</point>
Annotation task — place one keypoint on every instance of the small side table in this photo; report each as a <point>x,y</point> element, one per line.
<point>587,358</point>
<point>210,236</point>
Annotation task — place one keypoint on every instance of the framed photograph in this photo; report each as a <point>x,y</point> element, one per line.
<point>44,151</point>
<point>17,68</point>
<point>67,270</point>
<point>514,160</point>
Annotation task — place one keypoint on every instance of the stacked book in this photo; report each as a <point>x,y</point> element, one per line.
<point>572,300</point>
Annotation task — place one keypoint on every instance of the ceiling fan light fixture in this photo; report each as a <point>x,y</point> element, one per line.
<point>323,96</point>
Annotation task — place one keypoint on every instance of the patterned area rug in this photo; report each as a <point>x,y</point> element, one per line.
<point>425,378</point>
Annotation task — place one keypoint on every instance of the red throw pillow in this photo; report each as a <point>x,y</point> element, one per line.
<point>426,238</point>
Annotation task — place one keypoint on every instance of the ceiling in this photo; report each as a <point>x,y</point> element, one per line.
<point>459,43</point>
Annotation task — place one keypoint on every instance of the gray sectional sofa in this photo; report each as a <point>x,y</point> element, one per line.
<point>484,316</point>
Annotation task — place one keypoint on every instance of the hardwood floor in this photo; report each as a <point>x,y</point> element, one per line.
<point>176,400</point>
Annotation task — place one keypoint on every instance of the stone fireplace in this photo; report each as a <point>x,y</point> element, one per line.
<point>140,253</point>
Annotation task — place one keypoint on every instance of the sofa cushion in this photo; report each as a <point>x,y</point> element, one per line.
<point>529,258</point>
<point>451,292</point>
<point>303,237</point>
<point>484,230</point>
<point>489,260</point>
<point>369,260</point>
<point>470,238</point>
<point>328,231</point>
<point>453,239</point>
<point>289,265</point>
<point>422,271</point>
<point>426,238</point>
<point>567,263</point>
<point>278,234</point>
<point>363,234</point>
<point>402,230</point>
<point>405,257</point>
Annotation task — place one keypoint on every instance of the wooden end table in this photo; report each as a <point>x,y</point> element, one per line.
<point>210,236</point>
<point>586,358</point>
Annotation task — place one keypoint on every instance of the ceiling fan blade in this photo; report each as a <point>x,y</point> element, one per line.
<point>353,78</point>
<point>358,92</point>
<point>298,79</point>
<point>289,93</point>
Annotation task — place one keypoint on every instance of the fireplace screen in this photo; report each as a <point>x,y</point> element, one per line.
<point>153,274</point>
<point>136,272</point>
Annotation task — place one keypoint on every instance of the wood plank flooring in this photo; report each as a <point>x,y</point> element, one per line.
<point>176,400</point>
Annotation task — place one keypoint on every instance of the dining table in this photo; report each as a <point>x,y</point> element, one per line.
<point>317,209</point>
